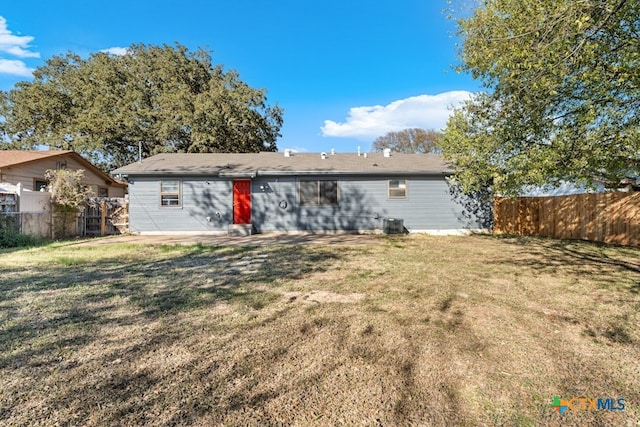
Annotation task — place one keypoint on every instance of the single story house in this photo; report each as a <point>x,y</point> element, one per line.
<point>27,168</point>
<point>290,192</point>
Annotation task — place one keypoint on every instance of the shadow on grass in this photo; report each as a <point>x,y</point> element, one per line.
<point>573,256</point>
<point>64,329</point>
<point>54,306</point>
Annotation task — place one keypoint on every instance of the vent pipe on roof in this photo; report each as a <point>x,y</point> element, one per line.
<point>358,151</point>
<point>323,155</point>
<point>387,152</point>
<point>333,151</point>
<point>287,152</point>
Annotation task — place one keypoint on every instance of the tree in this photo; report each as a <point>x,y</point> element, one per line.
<point>409,141</point>
<point>562,99</point>
<point>68,195</point>
<point>164,98</point>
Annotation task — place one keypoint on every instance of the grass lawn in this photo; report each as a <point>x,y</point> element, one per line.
<point>418,330</point>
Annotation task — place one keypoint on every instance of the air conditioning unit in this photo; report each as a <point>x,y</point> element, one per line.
<point>393,226</point>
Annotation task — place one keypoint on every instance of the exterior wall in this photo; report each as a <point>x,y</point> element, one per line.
<point>363,204</point>
<point>27,173</point>
<point>201,198</point>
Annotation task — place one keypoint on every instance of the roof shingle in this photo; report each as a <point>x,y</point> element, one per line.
<point>270,164</point>
<point>16,157</point>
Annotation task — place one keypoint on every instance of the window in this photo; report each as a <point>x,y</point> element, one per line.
<point>318,193</point>
<point>103,192</point>
<point>397,189</point>
<point>170,192</point>
<point>39,185</point>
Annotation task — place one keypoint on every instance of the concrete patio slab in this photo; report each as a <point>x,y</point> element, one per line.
<point>251,240</point>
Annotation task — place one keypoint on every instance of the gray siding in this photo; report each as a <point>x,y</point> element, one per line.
<point>201,198</point>
<point>363,204</point>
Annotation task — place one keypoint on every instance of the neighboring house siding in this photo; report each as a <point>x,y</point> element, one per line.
<point>27,173</point>
<point>363,204</point>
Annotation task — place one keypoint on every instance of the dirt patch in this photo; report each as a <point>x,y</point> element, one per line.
<point>322,297</point>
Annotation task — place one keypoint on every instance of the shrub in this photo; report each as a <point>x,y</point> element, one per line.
<point>10,236</point>
<point>11,239</point>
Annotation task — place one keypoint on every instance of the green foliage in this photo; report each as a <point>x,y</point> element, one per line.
<point>165,98</point>
<point>68,195</point>
<point>563,98</point>
<point>10,239</point>
<point>413,140</point>
<point>10,236</point>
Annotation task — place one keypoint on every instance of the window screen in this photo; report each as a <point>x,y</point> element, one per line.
<point>397,189</point>
<point>170,192</point>
<point>318,193</point>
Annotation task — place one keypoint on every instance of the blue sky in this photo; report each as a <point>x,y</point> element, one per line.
<point>345,72</point>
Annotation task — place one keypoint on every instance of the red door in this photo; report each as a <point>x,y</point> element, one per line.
<point>242,202</point>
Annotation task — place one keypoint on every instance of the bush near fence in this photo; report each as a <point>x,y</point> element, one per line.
<point>612,218</point>
<point>11,231</point>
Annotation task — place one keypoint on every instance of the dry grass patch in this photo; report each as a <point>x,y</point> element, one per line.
<point>417,331</point>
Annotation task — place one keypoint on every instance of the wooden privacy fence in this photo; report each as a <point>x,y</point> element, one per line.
<point>601,217</point>
<point>105,216</point>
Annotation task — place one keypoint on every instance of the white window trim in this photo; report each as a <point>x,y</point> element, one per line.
<point>169,193</point>
<point>406,189</point>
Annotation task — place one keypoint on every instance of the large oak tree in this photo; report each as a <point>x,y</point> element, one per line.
<point>164,98</point>
<point>563,93</point>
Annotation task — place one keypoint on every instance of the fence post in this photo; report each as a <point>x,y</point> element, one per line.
<point>103,217</point>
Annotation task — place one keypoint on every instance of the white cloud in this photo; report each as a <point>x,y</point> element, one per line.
<point>15,67</point>
<point>370,122</point>
<point>13,44</point>
<point>17,46</point>
<point>298,149</point>
<point>119,51</point>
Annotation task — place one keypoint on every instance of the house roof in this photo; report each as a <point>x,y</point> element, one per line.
<point>277,164</point>
<point>10,158</point>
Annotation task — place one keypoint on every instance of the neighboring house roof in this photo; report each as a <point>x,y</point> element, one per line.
<point>277,164</point>
<point>10,158</point>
